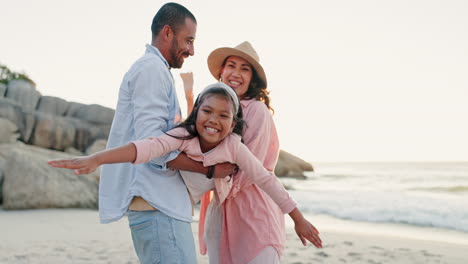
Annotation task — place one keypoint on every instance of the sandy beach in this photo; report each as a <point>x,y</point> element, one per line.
<point>75,236</point>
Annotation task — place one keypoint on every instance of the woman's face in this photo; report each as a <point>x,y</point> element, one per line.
<point>237,73</point>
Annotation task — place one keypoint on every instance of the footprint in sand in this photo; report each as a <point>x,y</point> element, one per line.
<point>59,249</point>
<point>322,254</point>
<point>376,247</point>
<point>348,243</point>
<point>354,255</point>
<point>403,249</point>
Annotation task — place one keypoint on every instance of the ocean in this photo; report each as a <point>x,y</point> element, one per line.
<point>420,194</point>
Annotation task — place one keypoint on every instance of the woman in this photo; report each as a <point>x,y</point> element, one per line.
<point>253,229</point>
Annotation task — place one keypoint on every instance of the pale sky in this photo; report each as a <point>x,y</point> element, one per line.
<point>349,80</point>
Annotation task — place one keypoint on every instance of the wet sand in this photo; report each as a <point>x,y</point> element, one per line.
<point>75,236</point>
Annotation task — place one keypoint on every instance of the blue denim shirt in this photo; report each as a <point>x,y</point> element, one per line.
<point>147,107</point>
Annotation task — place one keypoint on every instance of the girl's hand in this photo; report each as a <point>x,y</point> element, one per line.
<point>305,230</point>
<point>81,165</point>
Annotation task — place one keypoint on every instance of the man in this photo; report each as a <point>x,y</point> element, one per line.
<point>158,205</point>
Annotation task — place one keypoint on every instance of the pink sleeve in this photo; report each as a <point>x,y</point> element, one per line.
<point>150,148</point>
<point>261,137</point>
<point>266,180</point>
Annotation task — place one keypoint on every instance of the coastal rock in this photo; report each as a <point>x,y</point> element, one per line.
<point>85,133</point>
<point>52,105</point>
<point>24,93</point>
<point>97,146</point>
<point>8,131</point>
<point>93,113</point>
<point>30,183</point>
<point>11,110</point>
<point>2,176</point>
<point>73,151</point>
<point>291,166</point>
<point>3,88</point>
<point>53,132</point>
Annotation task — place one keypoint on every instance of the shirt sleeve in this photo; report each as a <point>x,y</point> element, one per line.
<point>263,178</point>
<point>150,148</point>
<point>151,109</point>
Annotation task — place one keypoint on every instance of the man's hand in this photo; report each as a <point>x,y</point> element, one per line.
<point>222,170</point>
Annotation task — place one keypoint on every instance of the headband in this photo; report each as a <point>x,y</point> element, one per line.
<point>228,89</point>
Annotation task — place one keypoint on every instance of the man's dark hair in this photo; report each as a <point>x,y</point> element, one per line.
<point>171,14</point>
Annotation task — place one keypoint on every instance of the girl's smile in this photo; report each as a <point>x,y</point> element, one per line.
<point>214,121</point>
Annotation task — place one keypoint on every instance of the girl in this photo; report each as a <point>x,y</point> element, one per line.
<point>211,134</point>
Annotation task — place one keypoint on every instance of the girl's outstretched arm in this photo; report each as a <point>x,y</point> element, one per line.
<point>88,164</point>
<point>304,229</point>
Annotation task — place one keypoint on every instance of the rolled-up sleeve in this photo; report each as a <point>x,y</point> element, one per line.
<point>151,107</point>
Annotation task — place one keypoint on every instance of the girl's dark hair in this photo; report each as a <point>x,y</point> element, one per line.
<point>189,123</point>
<point>254,90</point>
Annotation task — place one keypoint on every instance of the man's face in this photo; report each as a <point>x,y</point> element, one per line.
<point>182,44</point>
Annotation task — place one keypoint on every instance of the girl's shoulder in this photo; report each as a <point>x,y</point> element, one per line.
<point>233,137</point>
<point>232,140</point>
<point>178,132</point>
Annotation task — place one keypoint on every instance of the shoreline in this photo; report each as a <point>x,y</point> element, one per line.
<point>75,236</point>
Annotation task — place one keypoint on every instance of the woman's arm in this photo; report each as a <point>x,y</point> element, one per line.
<point>88,164</point>
<point>183,162</point>
<point>187,79</point>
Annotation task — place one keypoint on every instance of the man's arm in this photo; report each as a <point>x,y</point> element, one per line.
<point>151,104</point>
<point>183,162</point>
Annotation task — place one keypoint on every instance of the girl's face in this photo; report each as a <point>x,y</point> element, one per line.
<point>214,120</point>
<point>237,73</point>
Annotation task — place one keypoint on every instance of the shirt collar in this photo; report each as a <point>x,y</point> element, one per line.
<point>154,50</point>
<point>244,103</point>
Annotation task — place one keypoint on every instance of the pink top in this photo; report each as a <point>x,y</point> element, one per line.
<point>230,149</point>
<point>252,221</point>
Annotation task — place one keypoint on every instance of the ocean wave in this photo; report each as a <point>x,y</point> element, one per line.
<point>389,207</point>
<point>452,189</point>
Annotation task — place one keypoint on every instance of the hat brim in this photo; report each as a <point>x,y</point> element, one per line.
<point>218,56</point>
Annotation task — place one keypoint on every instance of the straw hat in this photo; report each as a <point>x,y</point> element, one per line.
<point>243,50</point>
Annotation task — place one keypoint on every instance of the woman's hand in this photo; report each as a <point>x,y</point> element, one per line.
<point>81,165</point>
<point>187,79</point>
<point>304,229</point>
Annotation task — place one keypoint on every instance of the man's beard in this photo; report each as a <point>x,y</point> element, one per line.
<point>176,62</point>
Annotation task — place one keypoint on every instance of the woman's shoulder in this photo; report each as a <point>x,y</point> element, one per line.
<point>254,105</point>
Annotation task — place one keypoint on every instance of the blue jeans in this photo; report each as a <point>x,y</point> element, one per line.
<point>158,238</point>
